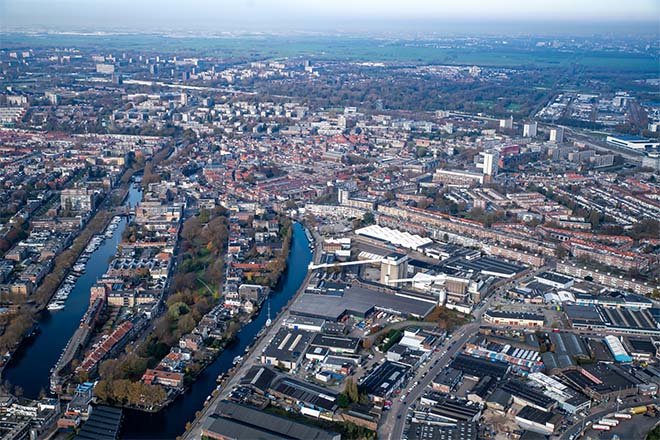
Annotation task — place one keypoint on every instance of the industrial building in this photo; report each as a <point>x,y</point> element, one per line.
<point>621,320</point>
<point>234,422</point>
<point>104,423</point>
<point>538,421</point>
<point>524,394</point>
<point>517,319</point>
<point>555,280</point>
<point>336,344</point>
<point>601,380</point>
<point>384,380</point>
<point>393,267</point>
<point>568,348</point>
<point>477,368</point>
<point>360,301</point>
<point>459,431</point>
<point>312,400</point>
<point>634,143</point>
<point>287,348</point>
<point>395,237</point>
<point>618,351</point>
<point>567,398</point>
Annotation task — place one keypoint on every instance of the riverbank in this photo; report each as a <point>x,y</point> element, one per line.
<point>212,347</point>
<point>300,244</point>
<point>30,367</point>
<point>62,266</point>
<point>171,422</point>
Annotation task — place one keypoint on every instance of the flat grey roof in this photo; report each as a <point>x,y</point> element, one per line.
<point>249,422</point>
<point>359,301</point>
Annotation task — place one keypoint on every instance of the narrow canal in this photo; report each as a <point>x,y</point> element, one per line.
<point>170,422</point>
<point>30,366</point>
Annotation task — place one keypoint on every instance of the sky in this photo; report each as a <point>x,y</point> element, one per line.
<point>310,15</point>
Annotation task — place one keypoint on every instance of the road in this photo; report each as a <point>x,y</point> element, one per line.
<point>575,429</point>
<point>252,358</point>
<point>391,428</point>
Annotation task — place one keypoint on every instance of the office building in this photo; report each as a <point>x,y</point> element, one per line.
<point>530,129</point>
<point>557,135</point>
<point>506,124</point>
<point>487,162</point>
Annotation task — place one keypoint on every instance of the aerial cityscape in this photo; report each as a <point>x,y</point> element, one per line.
<point>326,220</point>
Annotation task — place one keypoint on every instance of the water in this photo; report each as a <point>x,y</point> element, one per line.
<point>171,422</point>
<point>30,366</point>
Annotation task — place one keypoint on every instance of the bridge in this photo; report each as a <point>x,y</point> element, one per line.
<point>345,263</point>
<point>426,279</point>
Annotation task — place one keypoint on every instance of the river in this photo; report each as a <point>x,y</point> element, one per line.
<point>171,422</point>
<point>30,366</point>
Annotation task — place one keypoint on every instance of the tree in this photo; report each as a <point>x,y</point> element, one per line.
<point>343,400</point>
<point>186,324</point>
<point>368,218</point>
<point>351,390</point>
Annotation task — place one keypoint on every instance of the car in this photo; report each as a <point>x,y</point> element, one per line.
<point>398,417</point>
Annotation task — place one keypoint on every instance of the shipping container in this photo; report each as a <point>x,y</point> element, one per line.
<point>599,427</point>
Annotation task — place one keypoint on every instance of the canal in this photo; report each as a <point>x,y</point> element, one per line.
<point>30,366</point>
<point>170,423</point>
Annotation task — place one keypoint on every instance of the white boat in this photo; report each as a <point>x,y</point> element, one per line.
<point>55,306</point>
<point>237,359</point>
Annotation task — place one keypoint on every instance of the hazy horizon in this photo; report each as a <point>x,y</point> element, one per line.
<point>341,16</point>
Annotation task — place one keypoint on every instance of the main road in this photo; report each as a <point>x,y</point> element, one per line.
<point>392,427</point>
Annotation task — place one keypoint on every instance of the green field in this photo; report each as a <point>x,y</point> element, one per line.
<point>346,48</point>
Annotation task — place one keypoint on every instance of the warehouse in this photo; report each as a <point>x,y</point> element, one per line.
<point>568,399</point>
<point>447,380</point>
<point>304,323</point>
<point>518,319</point>
<point>629,321</point>
<point>602,380</point>
<point>618,351</point>
<point>477,368</point>
<point>336,344</point>
<point>568,348</point>
<point>360,302</point>
<point>621,320</point>
<point>384,380</point>
<point>445,410</point>
<point>304,393</point>
<point>537,421</point>
<point>460,431</point>
<point>104,423</point>
<point>642,350</point>
<point>287,348</point>
<point>614,300</point>
<point>232,421</point>
<point>395,237</point>
<point>489,266</point>
<point>555,280</point>
<point>523,394</point>
<point>259,379</point>
<point>584,316</point>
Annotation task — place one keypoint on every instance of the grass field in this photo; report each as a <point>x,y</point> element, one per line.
<point>346,48</point>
